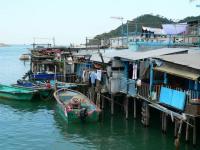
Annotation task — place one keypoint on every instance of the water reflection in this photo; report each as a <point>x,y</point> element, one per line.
<point>110,133</point>
<point>26,106</point>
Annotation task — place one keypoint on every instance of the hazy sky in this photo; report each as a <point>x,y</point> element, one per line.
<point>70,21</point>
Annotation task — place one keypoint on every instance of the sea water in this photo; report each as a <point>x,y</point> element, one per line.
<point>37,125</point>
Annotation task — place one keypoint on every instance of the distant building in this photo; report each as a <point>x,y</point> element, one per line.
<point>118,42</point>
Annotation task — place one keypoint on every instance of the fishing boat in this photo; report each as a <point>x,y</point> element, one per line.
<point>61,85</point>
<point>45,76</point>
<point>44,90</point>
<point>16,93</point>
<point>25,57</point>
<point>76,107</point>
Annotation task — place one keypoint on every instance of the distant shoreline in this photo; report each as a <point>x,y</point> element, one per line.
<point>3,45</point>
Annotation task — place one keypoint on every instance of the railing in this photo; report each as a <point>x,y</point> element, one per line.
<point>143,91</point>
<point>128,86</point>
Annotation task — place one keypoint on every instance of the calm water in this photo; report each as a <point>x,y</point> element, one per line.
<point>38,126</point>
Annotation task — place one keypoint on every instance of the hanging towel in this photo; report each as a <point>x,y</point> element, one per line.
<point>134,77</point>
<point>93,77</point>
<point>99,72</point>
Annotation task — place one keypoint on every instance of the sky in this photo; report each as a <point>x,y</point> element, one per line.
<point>71,21</point>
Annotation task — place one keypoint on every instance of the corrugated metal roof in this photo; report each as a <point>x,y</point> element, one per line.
<point>178,72</point>
<point>148,54</point>
<point>129,54</point>
<point>191,60</point>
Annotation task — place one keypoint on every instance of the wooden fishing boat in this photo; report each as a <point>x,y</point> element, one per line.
<point>16,93</point>
<point>45,91</point>
<point>61,85</point>
<point>76,107</point>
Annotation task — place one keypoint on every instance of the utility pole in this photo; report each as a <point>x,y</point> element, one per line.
<point>54,42</point>
<point>86,43</point>
<point>120,18</point>
<point>127,33</point>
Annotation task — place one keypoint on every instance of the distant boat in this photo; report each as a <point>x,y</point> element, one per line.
<point>44,91</point>
<point>25,57</point>
<point>16,93</point>
<point>76,107</point>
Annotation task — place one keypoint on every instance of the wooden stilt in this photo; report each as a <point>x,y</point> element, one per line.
<point>127,100</point>
<point>147,114</point>
<point>143,113</point>
<point>112,104</point>
<point>134,108</point>
<point>164,123</point>
<point>98,100</point>
<point>187,131</point>
<point>102,102</point>
<point>194,131</point>
<point>175,128</point>
<point>177,140</point>
<point>90,94</point>
<point>93,93</point>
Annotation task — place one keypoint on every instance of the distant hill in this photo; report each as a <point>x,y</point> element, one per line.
<point>191,18</point>
<point>136,24</point>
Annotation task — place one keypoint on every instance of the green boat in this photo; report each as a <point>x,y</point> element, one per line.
<point>76,107</point>
<point>44,91</point>
<point>16,93</point>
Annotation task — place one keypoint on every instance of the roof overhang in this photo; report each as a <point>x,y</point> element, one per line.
<point>179,71</point>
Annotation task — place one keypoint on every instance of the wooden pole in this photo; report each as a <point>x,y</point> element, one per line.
<point>112,104</point>
<point>187,131</point>
<point>127,100</point>
<point>164,122</point>
<point>98,99</point>
<point>147,114</point>
<point>102,102</point>
<point>194,131</point>
<point>64,71</point>
<point>134,108</point>
<point>175,128</point>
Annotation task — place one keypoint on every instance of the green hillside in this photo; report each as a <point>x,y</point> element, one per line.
<point>191,18</point>
<point>136,25</point>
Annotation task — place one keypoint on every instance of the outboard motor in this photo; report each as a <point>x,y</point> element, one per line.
<point>83,114</point>
<point>20,82</point>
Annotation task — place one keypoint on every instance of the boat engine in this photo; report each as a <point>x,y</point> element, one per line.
<point>83,114</point>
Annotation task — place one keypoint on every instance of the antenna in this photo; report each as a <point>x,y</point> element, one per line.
<point>119,18</point>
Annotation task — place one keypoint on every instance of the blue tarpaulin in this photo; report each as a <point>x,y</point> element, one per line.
<point>173,98</point>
